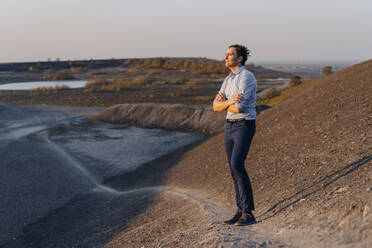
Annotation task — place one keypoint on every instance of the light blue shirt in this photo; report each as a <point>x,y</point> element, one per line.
<point>241,81</point>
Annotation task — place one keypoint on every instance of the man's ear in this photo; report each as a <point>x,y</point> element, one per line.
<point>240,59</point>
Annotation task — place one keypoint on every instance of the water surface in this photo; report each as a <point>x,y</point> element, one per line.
<point>37,84</point>
<point>52,154</point>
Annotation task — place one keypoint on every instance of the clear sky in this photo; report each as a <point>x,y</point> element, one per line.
<point>275,30</point>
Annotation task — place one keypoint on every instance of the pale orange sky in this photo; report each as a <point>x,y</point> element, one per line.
<point>285,30</point>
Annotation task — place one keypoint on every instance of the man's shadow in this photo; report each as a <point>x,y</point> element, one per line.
<point>313,188</point>
<point>260,108</point>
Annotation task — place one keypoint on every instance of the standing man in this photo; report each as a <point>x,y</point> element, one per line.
<point>238,96</point>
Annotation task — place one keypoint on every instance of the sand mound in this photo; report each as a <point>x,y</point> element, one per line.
<point>310,166</point>
<point>178,117</point>
<point>310,162</point>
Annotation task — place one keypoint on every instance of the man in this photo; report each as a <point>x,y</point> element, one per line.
<point>238,96</point>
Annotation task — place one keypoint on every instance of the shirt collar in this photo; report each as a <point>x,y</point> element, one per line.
<point>233,74</point>
<point>238,70</point>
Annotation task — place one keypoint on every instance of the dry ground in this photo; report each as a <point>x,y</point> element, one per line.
<point>310,165</point>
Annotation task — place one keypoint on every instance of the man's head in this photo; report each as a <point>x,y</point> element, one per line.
<point>236,55</point>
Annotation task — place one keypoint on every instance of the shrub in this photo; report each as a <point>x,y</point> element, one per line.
<point>59,76</point>
<point>61,87</point>
<point>270,93</point>
<point>116,84</point>
<point>198,82</point>
<point>77,69</point>
<point>327,70</point>
<point>48,90</point>
<point>295,80</point>
<point>145,79</point>
<point>96,84</point>
<point>175,94</point>
<point>49,71</point>
<point>180,80</point>
<point>97,72</point>
<point>204,98</point>
<point>115,87</point>
<point>35,68</point>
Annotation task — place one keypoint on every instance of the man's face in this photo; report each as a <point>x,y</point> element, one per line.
<point>231,58</point>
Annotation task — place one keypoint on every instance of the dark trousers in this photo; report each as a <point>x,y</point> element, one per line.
<point>238,138</point>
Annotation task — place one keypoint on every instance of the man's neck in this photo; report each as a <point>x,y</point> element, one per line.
<point>235,68</point>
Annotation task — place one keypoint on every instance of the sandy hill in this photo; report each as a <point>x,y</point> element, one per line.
<point>310,165</point>
<point>310,153</point>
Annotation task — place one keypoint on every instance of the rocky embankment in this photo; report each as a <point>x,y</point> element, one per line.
<point>178,117</point>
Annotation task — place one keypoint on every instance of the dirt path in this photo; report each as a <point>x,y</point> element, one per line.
<point>182,218</point>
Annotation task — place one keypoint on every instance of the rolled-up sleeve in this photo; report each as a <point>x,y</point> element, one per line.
<point>247,86</point>
<point>223,88</point>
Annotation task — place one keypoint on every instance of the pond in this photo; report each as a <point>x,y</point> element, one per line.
<point>37,84</point>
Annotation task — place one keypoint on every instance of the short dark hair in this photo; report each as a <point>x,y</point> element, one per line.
<point>242,51</point>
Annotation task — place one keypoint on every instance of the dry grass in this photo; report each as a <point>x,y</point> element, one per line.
<point>180,80</point>
<point>98,72</point>
<point>96,84</point>
<point>270,93</point>
<point>120,83</point>
<point>144,79</point>
<point>77,69</point>
<point>205,99</point>
<point>47,90</point>
<point>195,66</point>
<point>59,76</point>
<point>279,98</point>
<point>196,84</point>
<point>295,80</point>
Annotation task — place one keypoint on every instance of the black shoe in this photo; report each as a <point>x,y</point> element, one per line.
<point>246,219</point>
<point>234,219</point>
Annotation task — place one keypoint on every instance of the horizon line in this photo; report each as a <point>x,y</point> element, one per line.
<point>274,61</point>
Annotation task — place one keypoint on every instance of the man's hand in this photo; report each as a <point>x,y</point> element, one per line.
<point>222,103</point>
<point>235,99</point>
<point>233,109</point>
<point>220,97</point>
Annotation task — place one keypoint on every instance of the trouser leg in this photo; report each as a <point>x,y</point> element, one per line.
<point>240,137</point>
<point>229,146</point>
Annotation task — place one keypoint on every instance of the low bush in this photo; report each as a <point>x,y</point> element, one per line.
<point>58,76</point>
<point>97,72</point>
<point>270,93</point>
<point>46,90</point>
<point>180,80</point>
<point>115,87</point>
<point>116,84</point>
<point>77,69</point>
<point>282,96</point>
<point>327,70</point>
<point>96,84</point>
<point>145,79</point>
<point>295,80</point>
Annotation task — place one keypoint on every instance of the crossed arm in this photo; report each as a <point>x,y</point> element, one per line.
<point>221,103</point>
